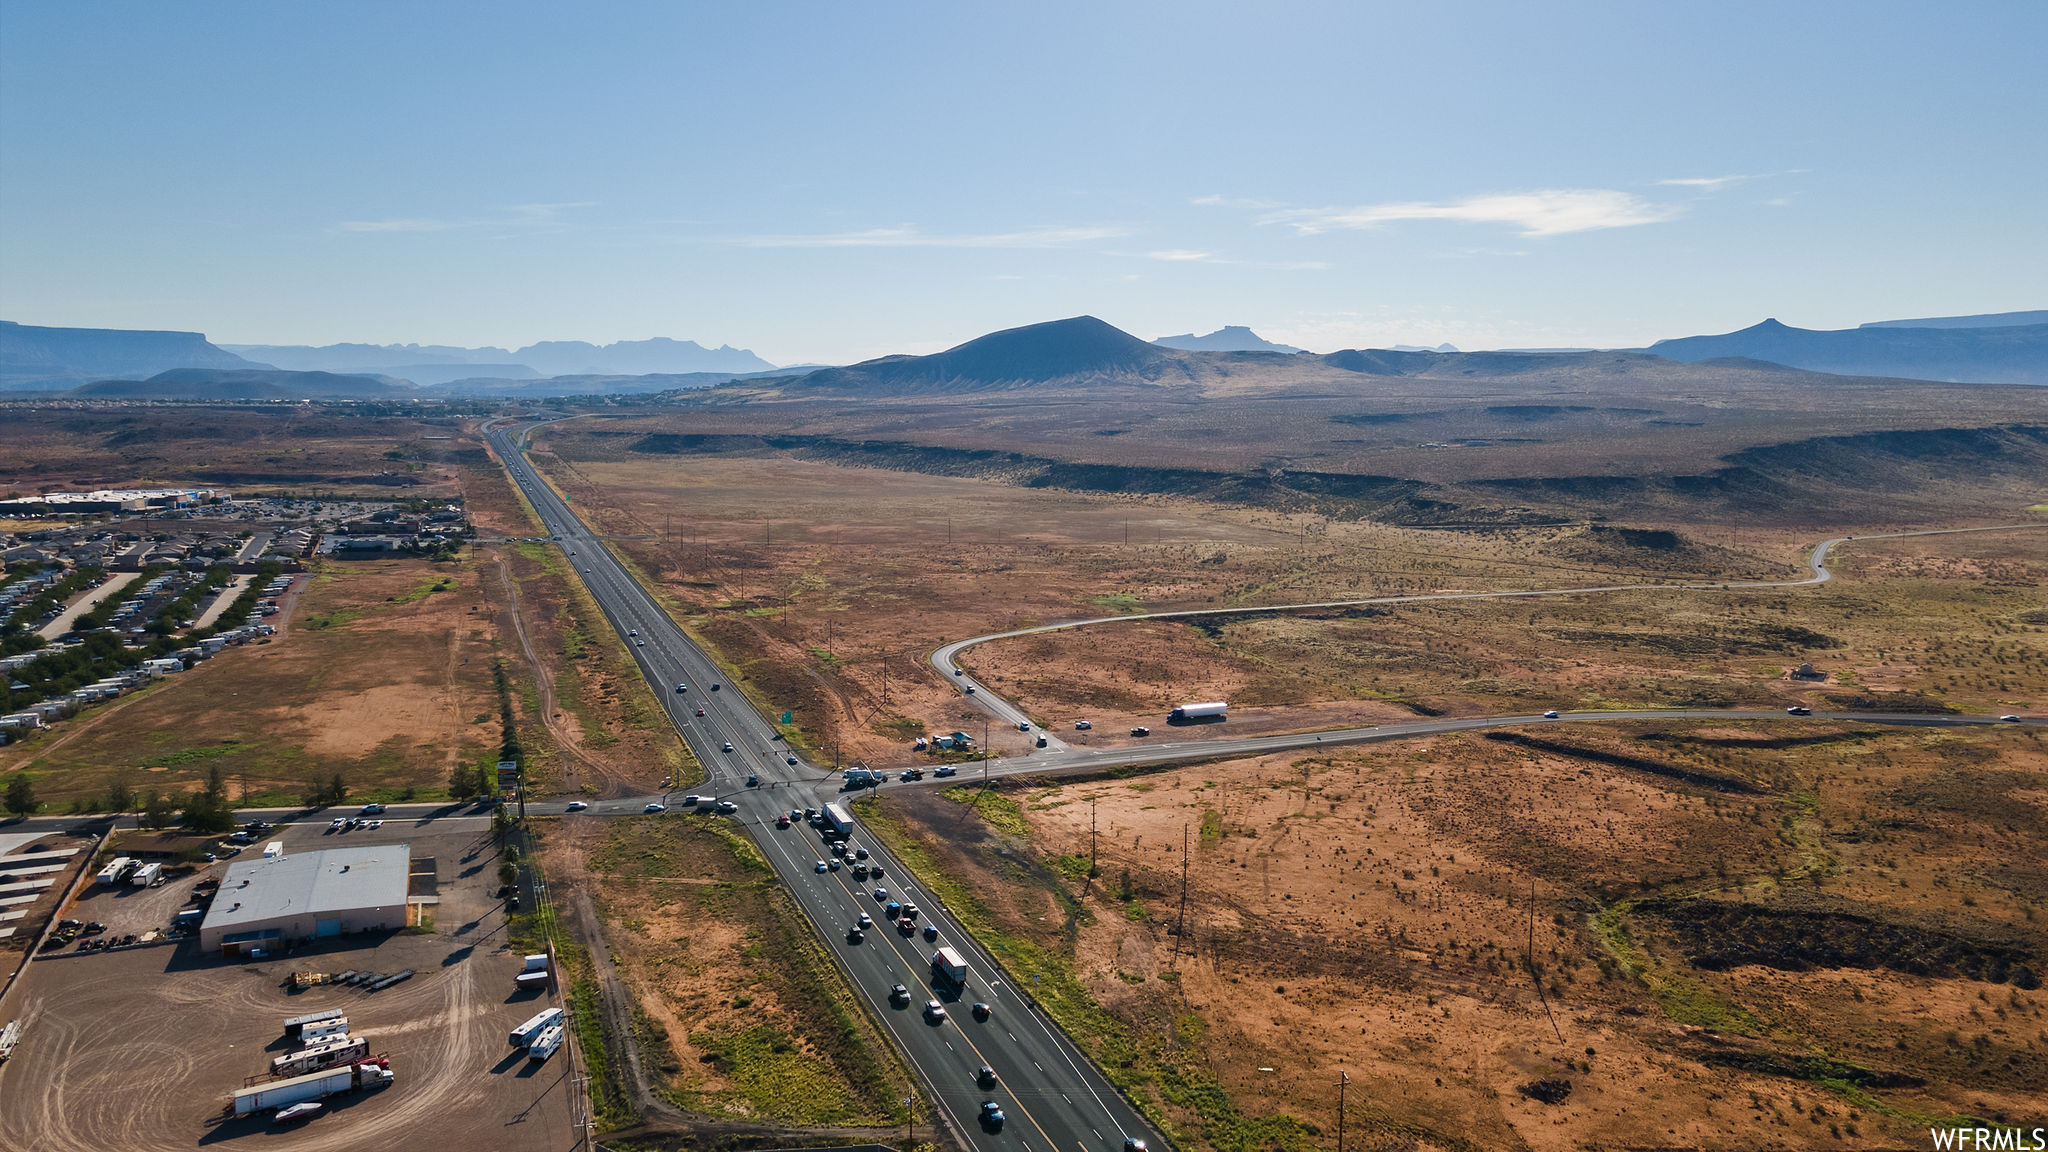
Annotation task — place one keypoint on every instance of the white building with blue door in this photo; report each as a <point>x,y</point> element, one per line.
<point>266,903</point>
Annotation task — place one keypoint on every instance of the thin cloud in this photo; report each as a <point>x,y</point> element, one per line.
<point>1183,255</point>
<point>1553,212</point>
<point>910,236</point>
<point>1237,202</point>
<point>1190,256</point>
<point>1708,183</point>
<point>514,216</point>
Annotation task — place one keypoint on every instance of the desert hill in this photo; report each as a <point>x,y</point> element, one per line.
<point>1078,349</point>
<point>245,384</point>
<point>1980,320</point>
<point>440,363</point>
<point>1230,338</point>
<point>2004,354</point>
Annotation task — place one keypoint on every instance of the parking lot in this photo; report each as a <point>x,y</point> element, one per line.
<point>140,1048</point>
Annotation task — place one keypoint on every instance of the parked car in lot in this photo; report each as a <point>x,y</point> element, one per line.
<point>336,824</point>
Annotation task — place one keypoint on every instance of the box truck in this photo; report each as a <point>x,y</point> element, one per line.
<point>1190,713</point>
<point>948,966</point>
<point>837,819</point>
<point>313,1086</point>
<point>524,1035</point>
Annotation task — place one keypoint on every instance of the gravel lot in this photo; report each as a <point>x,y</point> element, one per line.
<point>140,1048</point>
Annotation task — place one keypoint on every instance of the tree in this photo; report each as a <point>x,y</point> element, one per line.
<point>209,811</point>
<point>120,797</point>
<point>337,789</point>
<point>21,795</point>
<point>158,809</point>
<point>462,782</point>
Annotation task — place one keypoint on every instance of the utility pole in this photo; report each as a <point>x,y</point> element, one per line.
<point>1091,835</point>
<point>1180,920</point>
<point>1343,1078</point>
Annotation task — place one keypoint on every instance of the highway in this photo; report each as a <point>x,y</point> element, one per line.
<point>1052,1097</point>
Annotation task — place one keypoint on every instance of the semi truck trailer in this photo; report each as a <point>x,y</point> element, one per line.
<point>837,819</point>
<point>313,1086</point>
<point>1188,713</point>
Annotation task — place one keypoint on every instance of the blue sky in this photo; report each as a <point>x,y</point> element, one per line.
<point>829,181</point>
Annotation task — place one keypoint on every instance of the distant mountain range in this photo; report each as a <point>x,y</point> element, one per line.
<point>1978,352</point>
<point>437,363</point>
<point>1074,349</point>
<point>1983,320</point>
<point>35,357</point>
<point>1230,338</point>
<point>246,384</point>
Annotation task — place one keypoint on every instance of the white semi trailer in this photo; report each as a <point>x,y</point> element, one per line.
<point>313,1086</point>
<point>1186,713</point>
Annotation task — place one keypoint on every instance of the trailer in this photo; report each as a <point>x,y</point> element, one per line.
<point>273,850</point>
<point>297,1024</point>
<point>313,1086</point>
<point>327,1054</point>
<point>524,1035</point>
<point>947,965</point>
<point>9,1037</point>
<point>1189,713</point>
<point>147,875</point>
<point>544,1045</point>
<point>324,1030</point>
<point>395,978</point>
<point>116,870</point>
<point>837,819</point>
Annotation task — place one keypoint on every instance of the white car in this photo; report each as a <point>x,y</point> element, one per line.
<point>933,1010</point>
<point>2009,718</point>
<point>577,805</point>
<point>1550,715</point>
<point>655,808</point>
<point>1082,725</point>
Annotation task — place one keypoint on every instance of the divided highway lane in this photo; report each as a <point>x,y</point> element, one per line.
<point>1052,1097</point>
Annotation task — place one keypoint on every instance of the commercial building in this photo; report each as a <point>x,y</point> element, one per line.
<point>108,500</point>
<point>262,904</point>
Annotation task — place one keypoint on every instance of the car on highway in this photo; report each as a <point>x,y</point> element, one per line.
<point>714,685</point>
<point>1141,730</point>
<point>692,800</point>
<point>782,821</point>
<point>931,932</point>
<point>898,994</point>
<point>855,935</point>
<point>909,774</point>
<point>866,921</point>
<point>789,759</point>
<point>1799,710</point>
<point>934,1011</point>
<point>820,868</point>
<point>682,688</point>
<point>1083,725</point>
<point>992,1116</point>
<point>728,745</point>
<point>1550,715</point>
<point>657,807</point>
<point>980,1010</point>
<point>753,780</point>
<point>985,1076</point>
<point>373,809</point>
<point>832,864</point>
<point>639,643</point>
<point>910,911</point>
<point>700,711</point>
<point>959,672</point>
<point>727,807</point>
<point>632,631</point>
<point>1023,725</point>
<point>1132,1144</point>
<point>945,770</point>
<point>258,826</point>
<point>577,805</point>
<point>2009,718</point>
<point>880,895</point>
<point>970,689</point>
<point>860,853</point>
<point>810,813</point>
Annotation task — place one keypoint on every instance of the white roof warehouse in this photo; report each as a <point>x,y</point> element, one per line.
<point>262,904</point>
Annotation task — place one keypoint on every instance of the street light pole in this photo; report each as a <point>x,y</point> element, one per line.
<point>1343,1078</point>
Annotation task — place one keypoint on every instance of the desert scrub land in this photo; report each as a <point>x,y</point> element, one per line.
<point>1647,936</point>
<point>738,1011</point>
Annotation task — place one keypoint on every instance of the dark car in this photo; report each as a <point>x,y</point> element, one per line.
<point>992,1116</point>
<point>855,936</point>
<point>985,1076</point>
<point>980,1011</point>
<point>1799,710</point>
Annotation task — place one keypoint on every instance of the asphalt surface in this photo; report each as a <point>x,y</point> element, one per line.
<point>1051,1096</point>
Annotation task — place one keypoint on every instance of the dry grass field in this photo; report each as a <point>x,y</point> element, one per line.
<point>1643,936</point>
<point>739,1015</point>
